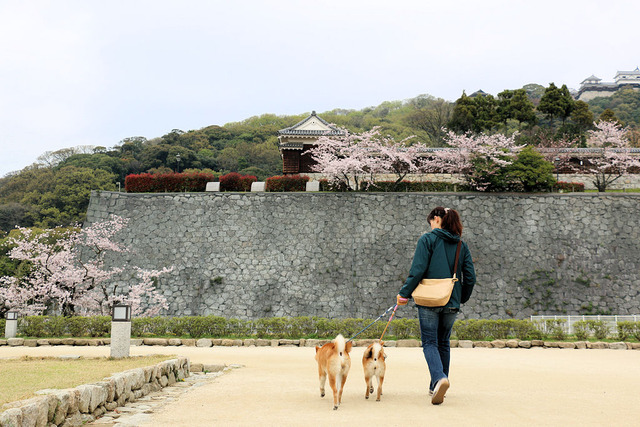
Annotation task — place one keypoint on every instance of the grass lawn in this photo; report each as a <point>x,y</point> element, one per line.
<point>21,378</point>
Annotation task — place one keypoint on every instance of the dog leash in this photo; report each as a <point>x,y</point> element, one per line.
<point>390,319</point>
<point>379,317</point>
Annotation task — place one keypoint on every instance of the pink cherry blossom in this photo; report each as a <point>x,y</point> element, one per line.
<point>68,275</point>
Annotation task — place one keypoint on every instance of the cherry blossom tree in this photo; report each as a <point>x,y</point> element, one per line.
<point>352,160</point>
<point>479,157</point>
<point>613,158</point>
<point>67,273</point>
<point>399,158</point>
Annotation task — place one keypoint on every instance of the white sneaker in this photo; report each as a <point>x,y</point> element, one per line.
<point>441,389</point>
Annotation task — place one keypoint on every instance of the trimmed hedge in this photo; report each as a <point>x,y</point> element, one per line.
<point>235,182</point>
<point>287,183</point>
<point>568,187</point>
<point>167,182</point>
<point>186,182</point>
<point>411,186</point>
<point>312,327</point>
<point>401,187</point>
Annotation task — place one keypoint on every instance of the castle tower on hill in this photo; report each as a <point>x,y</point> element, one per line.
<point>593,87</point>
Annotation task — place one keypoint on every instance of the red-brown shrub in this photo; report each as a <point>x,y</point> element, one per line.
<point>235,182</point>
<point>287,183</point>
<point>167,183</point>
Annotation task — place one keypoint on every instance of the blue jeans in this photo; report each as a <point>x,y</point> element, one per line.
<point>435,331</point>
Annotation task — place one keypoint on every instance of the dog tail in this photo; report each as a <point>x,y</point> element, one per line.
<point>377,348</point>
<point>340,344</point>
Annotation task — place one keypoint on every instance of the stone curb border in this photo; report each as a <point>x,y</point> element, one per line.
<point>207,342</point>
<point>82,404</point>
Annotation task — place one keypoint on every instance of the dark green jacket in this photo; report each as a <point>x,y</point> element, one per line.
<point>434,259</point>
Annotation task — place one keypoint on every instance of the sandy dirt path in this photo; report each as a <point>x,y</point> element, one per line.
<point>279,387</point>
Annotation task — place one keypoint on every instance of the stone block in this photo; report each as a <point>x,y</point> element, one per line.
<point>155,341</point>
<point>11,417</point>
<point>15,342</point>
<point>635,345</point>
<point>63,399</point>
<point>566,345</point>
<point>164,381</point>
<point>524,344</point>
<point>550,344</point>
<point>35,411</point>
<point>68,341</point>
<point>512,343</point>
<point>30,343</point>
<point>364,342</point>
<point>407,343</point>
<point>227,343</point>
<point>41,343</point>
<point>275,343</point>
<point>498,344</point>
<point>249,343</point>
<point>204,342</point>
<point>465,344</point>
<point>453,343</point>
<point>197,367</point>
<point>263,343</point>
<point>390,344</point>
<point>189,342</point>
<point>216,341</point>
<point>137,377</point>
<point>617,346</point>
<point>312,186</point>
<point>174,341</point>
<point>3,342</point>
<point>213,368</point>
<point>55,341</point>
<point>212,186</point>
<point>258,187</point>
<point>482,344</point>
<point>581,344</point>
<point>84,398</point>
<point>537,343</point>
<point>133,341</point>
<point>597,345</point>
<point>82,342</point>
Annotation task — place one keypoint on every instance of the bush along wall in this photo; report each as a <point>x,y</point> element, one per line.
<point>185,182</point>
<point>287,183</point>
<point>167,183</point>
<point>568,187</point>
<point>235,182</point>
<point>317,327</point>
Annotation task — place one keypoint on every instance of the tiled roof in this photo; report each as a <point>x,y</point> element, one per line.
<point>292,130</point>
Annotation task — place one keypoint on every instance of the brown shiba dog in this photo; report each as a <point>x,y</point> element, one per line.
<point>334,361</point>
<point>374,366</point>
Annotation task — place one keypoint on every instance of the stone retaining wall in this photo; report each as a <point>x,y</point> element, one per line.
<point>346,255</point>
<point>82,404</point>
<point>257,342</point>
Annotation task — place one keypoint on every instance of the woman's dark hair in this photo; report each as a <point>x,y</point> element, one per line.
<point>450,219</point>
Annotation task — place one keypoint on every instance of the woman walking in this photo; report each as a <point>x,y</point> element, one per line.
<point>434,259</point>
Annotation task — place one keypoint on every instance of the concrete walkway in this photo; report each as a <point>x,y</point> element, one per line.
<point>489,387</point>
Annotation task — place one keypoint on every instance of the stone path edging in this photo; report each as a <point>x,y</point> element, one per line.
<point>84,403</point>
<point>208,342</point>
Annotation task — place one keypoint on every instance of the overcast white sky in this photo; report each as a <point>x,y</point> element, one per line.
<point>95,72</point>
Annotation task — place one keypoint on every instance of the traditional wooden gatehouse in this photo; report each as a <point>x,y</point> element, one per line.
<point>295,140</point>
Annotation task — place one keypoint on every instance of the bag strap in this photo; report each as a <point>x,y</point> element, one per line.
<point>455,266</point>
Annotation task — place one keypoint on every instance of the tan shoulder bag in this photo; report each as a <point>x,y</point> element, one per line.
<point>436,292</point>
